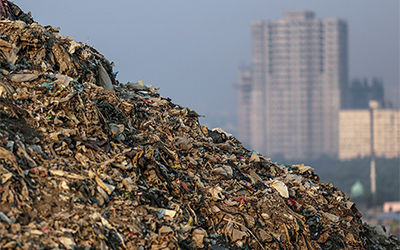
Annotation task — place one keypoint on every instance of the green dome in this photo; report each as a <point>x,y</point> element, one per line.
<point>357,190</point>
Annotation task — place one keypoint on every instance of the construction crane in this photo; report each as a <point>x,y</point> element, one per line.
<point>5,10</point>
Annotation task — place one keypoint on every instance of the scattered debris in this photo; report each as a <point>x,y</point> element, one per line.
<point>86,161</point>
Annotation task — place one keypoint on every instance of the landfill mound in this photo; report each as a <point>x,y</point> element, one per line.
<point>89,163</point>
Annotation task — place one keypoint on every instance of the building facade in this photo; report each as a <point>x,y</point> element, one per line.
<point>299,77</point>
<point>244,85</point>
<point>356,127</point>
<point>361,92</point>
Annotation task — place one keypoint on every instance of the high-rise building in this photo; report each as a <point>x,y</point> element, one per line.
<point>299,82</point>
<point>244,85</point>
<point>361,93</point>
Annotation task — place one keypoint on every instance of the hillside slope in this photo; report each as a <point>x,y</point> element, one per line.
<point>88,162</point>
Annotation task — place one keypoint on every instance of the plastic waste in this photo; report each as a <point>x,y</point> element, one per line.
<point>83,167</point>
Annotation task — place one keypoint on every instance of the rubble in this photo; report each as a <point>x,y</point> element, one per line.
<point>87,162</point>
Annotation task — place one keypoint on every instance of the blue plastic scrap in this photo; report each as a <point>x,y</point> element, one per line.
<point>48,85</point>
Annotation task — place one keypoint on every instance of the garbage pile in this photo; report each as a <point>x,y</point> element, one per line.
<point>87,162</point>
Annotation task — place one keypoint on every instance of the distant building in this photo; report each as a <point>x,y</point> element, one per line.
<point>391,206</point>
<point>355,133</point>
<point>357,190</point>
<point>389,217</point>
<point>298,85</point>
<point>361,92</point>
<point>244,85</point>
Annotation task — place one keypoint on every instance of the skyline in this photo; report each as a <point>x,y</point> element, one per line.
<point>298,85</point>
<point>192,50</point>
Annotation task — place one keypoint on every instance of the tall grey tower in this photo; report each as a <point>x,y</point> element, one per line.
<point>299,80</point>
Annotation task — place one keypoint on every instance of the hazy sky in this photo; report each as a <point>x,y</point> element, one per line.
<point>192,49</point>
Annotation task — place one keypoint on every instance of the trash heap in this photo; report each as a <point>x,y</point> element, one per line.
<point>87,162</point>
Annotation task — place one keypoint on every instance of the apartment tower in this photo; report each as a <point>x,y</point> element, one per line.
<point>298,85</point>
<point>244,84</point>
